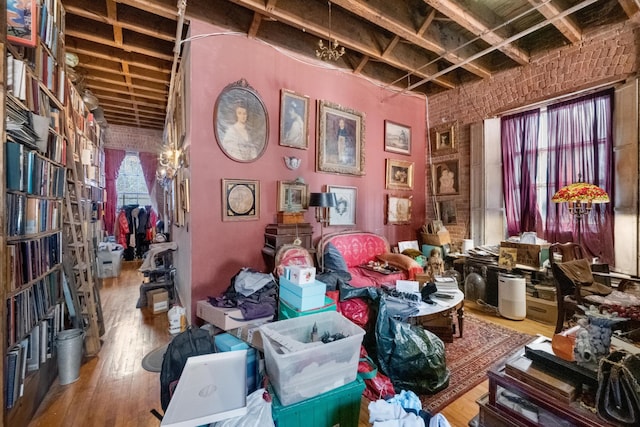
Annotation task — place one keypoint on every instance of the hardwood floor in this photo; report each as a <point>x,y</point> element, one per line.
<point>114,390</point>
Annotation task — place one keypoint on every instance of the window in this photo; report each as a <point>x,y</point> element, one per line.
<point>130,184</point>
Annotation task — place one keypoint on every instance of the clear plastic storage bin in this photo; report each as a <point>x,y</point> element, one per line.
<point>300,369</point>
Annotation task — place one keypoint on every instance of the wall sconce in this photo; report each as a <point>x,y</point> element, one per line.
<point>169,161</point>
<point>292,162</point>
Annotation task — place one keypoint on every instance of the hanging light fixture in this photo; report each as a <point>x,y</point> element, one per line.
<point>90,100</point>
<point>333,51</point>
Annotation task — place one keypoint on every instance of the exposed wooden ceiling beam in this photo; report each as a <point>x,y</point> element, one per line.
<point>630,7</point>
<point>129,47</point>
<point>115,88</point>
<point>466,18</point>
<point>165,8</point>
<point>426,23</point>
<point>84,47</point>
<point>566,25</point>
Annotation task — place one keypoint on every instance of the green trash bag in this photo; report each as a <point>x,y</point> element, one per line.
<point>411,356</point>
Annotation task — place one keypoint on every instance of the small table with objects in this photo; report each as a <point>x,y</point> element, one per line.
<point>439,316</point>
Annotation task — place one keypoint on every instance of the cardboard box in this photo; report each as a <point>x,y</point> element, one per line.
<point>527,254</point>
<point>158,300</point>
<point>542,310</point>
<point>300,275</point>
<point>437,239</point>
<point>224,318</point>
<point>250,334</point>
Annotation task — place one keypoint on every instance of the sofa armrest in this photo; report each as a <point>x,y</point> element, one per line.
<point>403,262</point>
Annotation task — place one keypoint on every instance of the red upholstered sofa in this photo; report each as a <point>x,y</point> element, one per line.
<point>359,247</point>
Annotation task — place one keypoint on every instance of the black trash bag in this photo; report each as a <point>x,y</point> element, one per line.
<point>411,356</point>
<point>347,292</point>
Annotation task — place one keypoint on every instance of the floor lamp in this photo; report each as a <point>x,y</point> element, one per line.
<point>580,198</point>
<point>322,202</point>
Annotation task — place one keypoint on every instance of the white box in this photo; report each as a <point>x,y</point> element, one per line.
<point>109,263</point>
<point>313,368</point>
<point>300,275</point>
<point>224,318</point>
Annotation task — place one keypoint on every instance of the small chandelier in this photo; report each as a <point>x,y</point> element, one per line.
<point>333,51</point>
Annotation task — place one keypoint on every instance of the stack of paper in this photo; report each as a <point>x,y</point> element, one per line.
<point>445,284</point>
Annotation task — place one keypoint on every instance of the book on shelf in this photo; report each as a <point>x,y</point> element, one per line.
<point>24,344</point>
<point>12,377</point>
<point>33,359</point>
<point>14,153</point>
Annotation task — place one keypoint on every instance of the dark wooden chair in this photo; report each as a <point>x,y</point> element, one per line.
<point>567,296</point>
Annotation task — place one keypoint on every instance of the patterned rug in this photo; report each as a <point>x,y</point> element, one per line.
<point>469,358</point>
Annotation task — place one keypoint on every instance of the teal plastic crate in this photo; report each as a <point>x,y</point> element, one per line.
<point>337,408</point>
<point>287,311</point>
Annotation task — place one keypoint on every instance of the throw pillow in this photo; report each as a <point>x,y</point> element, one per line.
<point>400,261</point>
<point>333,259</point>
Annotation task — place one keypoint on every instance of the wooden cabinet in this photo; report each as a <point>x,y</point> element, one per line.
<point>276,235</point>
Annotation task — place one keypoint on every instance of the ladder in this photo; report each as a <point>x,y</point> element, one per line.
<point>79,266</point>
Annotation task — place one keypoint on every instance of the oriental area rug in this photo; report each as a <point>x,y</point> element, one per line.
<point>482,345</point>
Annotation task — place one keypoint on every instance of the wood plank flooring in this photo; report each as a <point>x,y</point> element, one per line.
<point>114,390</point>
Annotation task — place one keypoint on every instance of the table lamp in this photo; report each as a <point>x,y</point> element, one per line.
<point>322,202</point>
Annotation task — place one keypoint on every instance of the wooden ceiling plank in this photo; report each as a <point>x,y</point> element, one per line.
<point>630,7</point>
<point>427,22</point>
<point>361,64</point>
<point>116,79</point>
<point>349,41</point>
<point>465,17</point>
<point>112,14</point>
<point>166,8</point>
<point>130,99</point>
<point>140,93</point>
<point>127,47</point>
<point>565,25</point>
<point>255,25</point>
<point>142,29</point>
<point>372,15</point>
<point>80,47</point>
<point>124,106</point>
<point>390,46</point>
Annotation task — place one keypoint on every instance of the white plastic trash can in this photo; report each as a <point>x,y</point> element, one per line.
<point>512,296</point>
<point>69,344</point>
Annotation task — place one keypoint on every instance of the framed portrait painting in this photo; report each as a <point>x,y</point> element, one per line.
<point>241,122</point>
<point>345,211</point>
<point>445,178</point>
<point>444,139</point>
<point>292,196</point>
<point>399,175</point>
<point>340,147</point>
<point>448,213</point>
<point>22,18</point>
<point>240,199</point>
<point>397,138</point>
<point>398,209</point>
<point>294,120</point>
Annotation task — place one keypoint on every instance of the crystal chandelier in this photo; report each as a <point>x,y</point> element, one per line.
<point>333,51</point>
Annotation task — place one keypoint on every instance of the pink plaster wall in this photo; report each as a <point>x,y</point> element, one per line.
<point>219,249</point>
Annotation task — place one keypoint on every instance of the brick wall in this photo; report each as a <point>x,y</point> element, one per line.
<point>604,56</point>
<point>133,139</point>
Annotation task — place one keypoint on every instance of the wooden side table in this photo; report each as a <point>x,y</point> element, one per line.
<point>438,317</point>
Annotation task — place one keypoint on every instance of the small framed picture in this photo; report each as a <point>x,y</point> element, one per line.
<point>448,213</point>
<point>340,146</point>
<point>399,175</point>
<point>22,18</point>
<point>445,176</point>
<point>292,196</point>
<point>240,199</point>
<point>294,120</point>
<point>345,211</point>
<point>398,209</point>
<point>444,139</point>
<point>397,138</point>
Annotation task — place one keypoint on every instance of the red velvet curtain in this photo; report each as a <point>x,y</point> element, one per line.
<point>519,133</point>
<point>581,150</point>
<point>149,164</point>
<point>112,161</point>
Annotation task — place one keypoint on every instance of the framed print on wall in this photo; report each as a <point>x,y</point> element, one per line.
<point>22,18</point>
<point>292,196</point>
<point>399,175</point>
<point>443,139</point>
<point>294,119</point>
<point>397,138</point>
<point>445,178</point>
<point>345,211</point>
<point>241,122</point>
<point>340,147</point>
<point>398,209</point>
<point>448,213</point>
<point>240,199</point>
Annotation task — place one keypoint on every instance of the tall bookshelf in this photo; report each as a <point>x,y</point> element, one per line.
<point>33,167</point>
